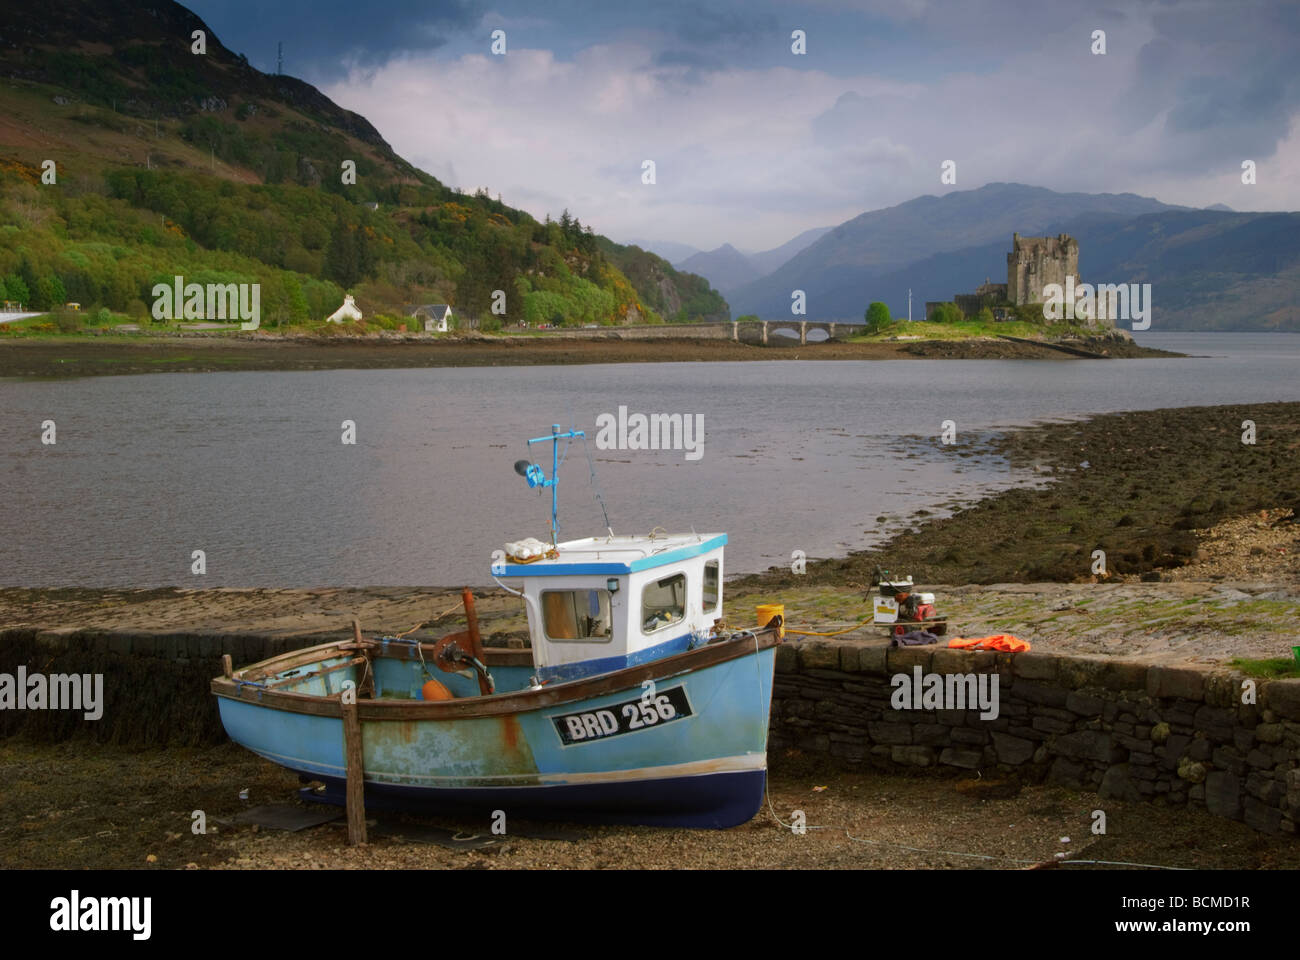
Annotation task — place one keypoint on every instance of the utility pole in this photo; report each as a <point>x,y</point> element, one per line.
<point>909,304</point>
<point>279,57</point>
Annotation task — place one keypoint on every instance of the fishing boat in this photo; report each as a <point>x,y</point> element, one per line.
<point>634,702</point>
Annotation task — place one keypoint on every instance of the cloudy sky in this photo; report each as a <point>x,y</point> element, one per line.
<point>753,143</point>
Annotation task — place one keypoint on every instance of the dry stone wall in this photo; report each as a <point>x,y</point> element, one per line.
<point>1126,730</point>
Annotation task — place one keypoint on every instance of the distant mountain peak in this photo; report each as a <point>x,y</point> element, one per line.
<point>839,270</point>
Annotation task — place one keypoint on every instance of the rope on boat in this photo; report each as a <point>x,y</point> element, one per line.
<point>599,497</point>
<point>419,648</point>
<point>425,623</point>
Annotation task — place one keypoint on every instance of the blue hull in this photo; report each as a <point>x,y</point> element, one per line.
<point>696,758</point>
<point>711,801</point>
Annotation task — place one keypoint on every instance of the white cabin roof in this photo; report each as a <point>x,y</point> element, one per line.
<point>612,556</point>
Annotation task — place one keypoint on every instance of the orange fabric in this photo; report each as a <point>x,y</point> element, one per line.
<point>1004,642</point>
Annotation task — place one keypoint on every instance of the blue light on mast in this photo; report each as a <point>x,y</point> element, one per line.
<point>536,477</point>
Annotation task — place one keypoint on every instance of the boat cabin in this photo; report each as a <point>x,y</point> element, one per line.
<point>606,603</point>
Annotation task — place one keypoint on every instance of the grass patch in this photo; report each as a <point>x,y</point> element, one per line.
<point>1276,668</point>
<point>968,329</point>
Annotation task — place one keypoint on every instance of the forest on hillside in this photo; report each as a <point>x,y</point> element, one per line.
<point>204,167</point>
<point>106,238</point>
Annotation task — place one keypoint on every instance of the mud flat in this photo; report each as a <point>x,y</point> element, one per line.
<point>1149,488</point>
<point>119,355</point>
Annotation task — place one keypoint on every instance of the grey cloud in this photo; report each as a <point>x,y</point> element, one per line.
<point>322,36</point>
<point>1225,74</point>
<point>716,22</point>
<point>1179,98</point>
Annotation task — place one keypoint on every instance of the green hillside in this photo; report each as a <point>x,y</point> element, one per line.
<point>170,162</point>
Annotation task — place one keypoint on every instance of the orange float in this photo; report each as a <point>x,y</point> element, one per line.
<point>433,690</point>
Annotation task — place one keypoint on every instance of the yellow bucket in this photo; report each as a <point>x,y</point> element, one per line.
<point>767,611</point>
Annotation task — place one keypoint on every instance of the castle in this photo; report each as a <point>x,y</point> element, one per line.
<point>1034,262</point>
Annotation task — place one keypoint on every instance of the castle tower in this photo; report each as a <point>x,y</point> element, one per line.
<point>1034,262</point>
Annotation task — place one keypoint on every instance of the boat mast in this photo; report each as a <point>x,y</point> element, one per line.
<point>533,473</point>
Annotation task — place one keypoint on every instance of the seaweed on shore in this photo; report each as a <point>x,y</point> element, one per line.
<point>1135,485</point>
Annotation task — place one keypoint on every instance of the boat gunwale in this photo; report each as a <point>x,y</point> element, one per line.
<point>236,688</point>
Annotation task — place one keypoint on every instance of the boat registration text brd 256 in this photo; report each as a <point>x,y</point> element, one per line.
<point>648,710</point>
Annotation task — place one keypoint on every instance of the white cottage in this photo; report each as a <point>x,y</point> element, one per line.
<point>436,316</point>
<point>349,311</point>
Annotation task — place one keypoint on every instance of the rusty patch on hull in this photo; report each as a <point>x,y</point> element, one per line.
<point>510,732</point>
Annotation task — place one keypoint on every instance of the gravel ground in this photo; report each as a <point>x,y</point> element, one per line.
<point>1263,546</point>
<point>1240,597</point>
<point>1203,623</point>
<point>77,806</point>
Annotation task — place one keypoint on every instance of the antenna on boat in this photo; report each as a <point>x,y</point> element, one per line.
<point>599,498</point>
<point>536,477</point>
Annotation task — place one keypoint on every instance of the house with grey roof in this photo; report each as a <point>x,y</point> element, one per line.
<point>436,317</point>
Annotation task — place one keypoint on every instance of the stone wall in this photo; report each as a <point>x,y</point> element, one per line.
<point>662,331</point>
<point>1125,730</point>
<point>155,685</point>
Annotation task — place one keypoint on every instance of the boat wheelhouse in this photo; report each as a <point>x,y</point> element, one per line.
<point>606,603</point>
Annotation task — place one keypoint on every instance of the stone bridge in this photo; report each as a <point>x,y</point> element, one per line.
<point>748,331</point>
<point>760,330</point>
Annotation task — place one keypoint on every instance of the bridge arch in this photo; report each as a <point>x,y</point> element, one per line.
<point>834,329</point>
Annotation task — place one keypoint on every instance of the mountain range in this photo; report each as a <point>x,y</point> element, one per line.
<point>729,269</point>
<point>1209,269</point>
<point>173,162</point>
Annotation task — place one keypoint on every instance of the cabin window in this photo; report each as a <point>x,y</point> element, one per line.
<point>577,614</point>
<point>663,603</point>
<point>711,586</point>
